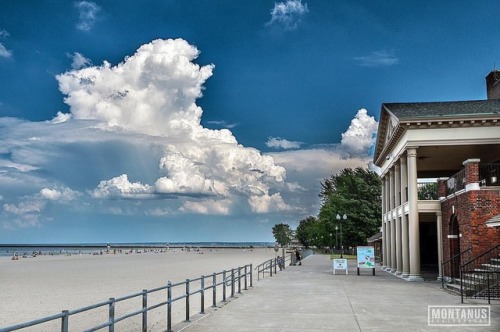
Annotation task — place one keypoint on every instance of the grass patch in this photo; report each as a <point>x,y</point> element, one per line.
<point>346,256</point>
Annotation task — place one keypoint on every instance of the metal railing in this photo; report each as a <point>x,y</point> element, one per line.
<point>455,183</point>
<point>489,174</point>
<point>480,276</point>
<point>271,266</point>
<point>455,260</point>
<point>231,278</point>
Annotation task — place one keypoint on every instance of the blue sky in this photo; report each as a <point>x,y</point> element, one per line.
<point>139,121</point>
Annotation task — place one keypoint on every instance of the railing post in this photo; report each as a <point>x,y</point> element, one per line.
<point>488,288</point>
<point>112,314</point>
<point>461,287</point>
<point>246,266</point>
<point>239,280</point>
<point>65,321</point>
<point>251,274</point>
<point>144,310</point>
<point>214,290</point>
<point>202,297</point>
<point>270,267</point>
<point>284,257</point>
<point>187,300</point>
<point>224,286</point>
<point>169,306</point>
<point>232,282</point>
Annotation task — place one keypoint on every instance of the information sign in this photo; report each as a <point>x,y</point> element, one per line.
<point>366,258</point>
<point>340,264</point>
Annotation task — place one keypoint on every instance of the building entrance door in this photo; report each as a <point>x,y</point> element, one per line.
<point>454,239</point>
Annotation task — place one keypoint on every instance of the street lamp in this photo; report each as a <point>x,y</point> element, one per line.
<point>341,245</point>
<point>336,237</point>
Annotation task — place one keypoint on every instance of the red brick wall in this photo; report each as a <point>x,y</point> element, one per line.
<point>473,209</point>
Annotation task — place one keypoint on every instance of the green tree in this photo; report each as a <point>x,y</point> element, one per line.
<point>282,233</point>
<point>305,231</point>
<point>428,191</point>
<point>356,193</point>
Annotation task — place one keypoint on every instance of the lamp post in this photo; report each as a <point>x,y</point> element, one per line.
<point>336,237</point>
<point>331,243</point>
<point>341,245</point>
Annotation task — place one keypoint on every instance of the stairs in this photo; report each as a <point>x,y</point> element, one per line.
<point>480,282</point>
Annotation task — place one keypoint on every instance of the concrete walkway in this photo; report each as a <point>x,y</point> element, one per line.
<point>310,298</point>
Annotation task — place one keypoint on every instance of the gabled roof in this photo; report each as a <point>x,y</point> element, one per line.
<point>443,109</point>
<point>395,118</point>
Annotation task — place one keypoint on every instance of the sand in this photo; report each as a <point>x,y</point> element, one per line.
<point>32,288</point>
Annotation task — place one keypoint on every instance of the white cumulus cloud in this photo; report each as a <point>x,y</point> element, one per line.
<point>360,135</point>
<point>120,186</point>
<point>280,143</point>
<point>79,61</point>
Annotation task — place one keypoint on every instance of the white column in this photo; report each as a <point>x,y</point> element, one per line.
<point>439,225</point>
<point>406,246</point>
<point>404,220</point>
<point>393,222</point>
<point>404,179</point>
<point>397,203</point>
<point>393,246</point>
<point>387,235</point>
<point>413,222</point>
<point>384,245</point>
<point>391,189</point>
<point>388,242</point>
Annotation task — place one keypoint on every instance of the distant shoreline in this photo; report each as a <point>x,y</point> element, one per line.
<point>152,245</point>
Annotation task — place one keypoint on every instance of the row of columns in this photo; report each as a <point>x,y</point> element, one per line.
<point>400,226</point>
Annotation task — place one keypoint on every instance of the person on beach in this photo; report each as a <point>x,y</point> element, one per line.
<point>297,256</point>
<point>280,262</point>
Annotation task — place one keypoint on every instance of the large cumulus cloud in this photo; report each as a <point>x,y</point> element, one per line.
<point>134,132</point>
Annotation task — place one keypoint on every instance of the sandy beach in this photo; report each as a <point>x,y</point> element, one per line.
<point>36,287</point>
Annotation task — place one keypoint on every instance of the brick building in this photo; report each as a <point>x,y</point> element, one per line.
<point>440,169</point>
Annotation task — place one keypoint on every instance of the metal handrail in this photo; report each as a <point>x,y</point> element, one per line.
<point>451,259</point>
<point>473,264</point>
<point>233,280</point>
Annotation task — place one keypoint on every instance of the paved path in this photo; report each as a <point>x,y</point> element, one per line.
<point>311,298</point>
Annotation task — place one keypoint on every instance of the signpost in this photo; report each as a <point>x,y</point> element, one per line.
<point>340,264</point>
<point>366,258</point>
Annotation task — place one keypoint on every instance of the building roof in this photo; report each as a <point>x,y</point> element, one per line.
<point>396,118</point>
<point>443,109</point>
<point>374,238</point>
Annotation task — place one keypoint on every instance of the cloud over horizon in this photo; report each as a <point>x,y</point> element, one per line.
<point>137,116</point>
<point>133,144</point>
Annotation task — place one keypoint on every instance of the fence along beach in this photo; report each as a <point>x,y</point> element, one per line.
<point>44,285</point>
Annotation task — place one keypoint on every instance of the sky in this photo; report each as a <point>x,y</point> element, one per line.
<point>181,120</point>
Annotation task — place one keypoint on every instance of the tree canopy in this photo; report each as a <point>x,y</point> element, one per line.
<point>357,194</point>
<point>283,234</point>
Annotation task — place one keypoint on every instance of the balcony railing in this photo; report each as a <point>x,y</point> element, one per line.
<point>489,175</point>
<point>455,183</point>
